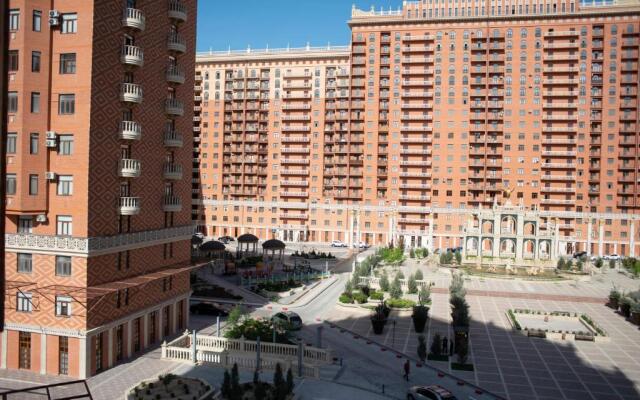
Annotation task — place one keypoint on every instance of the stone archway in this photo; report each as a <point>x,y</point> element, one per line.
<point>487,246</point>
<point>472,246</point>
<point>487,227</point>
<point>528,249</point>
<point>508,225</point>
<point>530,228</point>
<point>507,248</point>
<point>544,250</point>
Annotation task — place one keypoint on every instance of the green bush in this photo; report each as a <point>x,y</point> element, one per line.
<point>412,253</point>
<point>400,303</point>
<point>376,295</point>
<point>424,296</point>
<point>360,297</point>
<point>346,298</point>
<point>599,262</point>
<point>561,264</point>
<point>436,345</point>
<point>412,285</point>
<point>384,282</point>
<point>392,255</point>
<point>418,275</point>
<point>396,289</point>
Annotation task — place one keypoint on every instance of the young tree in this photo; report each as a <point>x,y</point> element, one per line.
<point>236,390</point>
<point>348,286</point>
<point>412,253</point>
<point>463,351</point>
<point>400,275</point>
<point>419,276</point>
<point>235,315</point>
<point>412,285</point>
<point>226,384</point>
<point>396,289</point>
<point>290,383</point>
<point>384,282</point>
<point>436,345</point>
<point>561,263</point>
<point>422,348</point>
<point>278,382</point>
<point>424,296</point>
<point>599,262</point>
<point>458,257</point>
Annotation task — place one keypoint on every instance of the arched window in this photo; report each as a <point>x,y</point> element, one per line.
<point>509,33</point>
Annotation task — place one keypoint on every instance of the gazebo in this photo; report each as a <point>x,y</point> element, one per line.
<point>196,241</point>
<point>215,251</point>
<point>273,250</point>
<point>247,244</point>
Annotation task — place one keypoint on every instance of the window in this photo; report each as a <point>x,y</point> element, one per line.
<point>37,20</point>
<point>68,63</point>
<point>14,20</point>
<point>33,185</point>
<point>98,350</point>
<point>69,23</point>
<point>35,102</point>
<point>136,335</point>
<point>25,263</point>
<point>11,184</point>
<point>25,224</point>
<point>64,225</point>
<point>23,303</point>
<point>35,61</point>
<point>14,60</point>
<point>65,145</point>
<point>12,102</point>
<point>24,350</point>
<point>63,355</point>
<point>66,104</point>
<point>33,143</point>
<point>11,143</point>
<point>63,306</point>
<point>65,185</point>
<point>63,266</point>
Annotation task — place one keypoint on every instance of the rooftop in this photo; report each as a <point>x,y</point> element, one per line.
<point>275,53</point>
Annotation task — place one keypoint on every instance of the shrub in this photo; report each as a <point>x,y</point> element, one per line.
<point>346,298</point>
<point>384,282</point>
<point>458,257</point>
<point>460,311</point>
<point>360,298</point>
<point>612,264</point>
<point>396,290</point>
<point>561,263</point>
<point>419,276</point>
<point>235,315</point>
<point>412,253</point>
<point>446,258</point>
<point>289,384</point>
<point>412,285</point>
<point>400,275</point>
<point>279,383</point>
<point>599,262</point>
<point>436,345</point>
<point>376,295</point>
<point>424,296</point>
<point>348,287</point>
<point>400,303</point>
<point>456,288</point>
<point>462,349</point>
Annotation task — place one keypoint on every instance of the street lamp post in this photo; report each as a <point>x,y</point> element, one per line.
<point>393,335</point>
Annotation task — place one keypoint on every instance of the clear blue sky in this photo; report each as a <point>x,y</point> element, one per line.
<point>239,23</point>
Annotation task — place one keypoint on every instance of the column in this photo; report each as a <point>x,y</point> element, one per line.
<point>589,235</point>
<point>556,244</point>
<point>110,349</point>
<point>519,237</point>
<point>390,237</point>
<point>161,323</point>
<point>174,316</point>
<point>601,239</point>
<point>145,333</point>
<point>43,353</point>
<point>358,228</point>
<point>83,356</point>
<point>497,231</point>
<point>439,242</point>
<point>350,223</point>
<point>632,239</point>
<point>129,349</point>
<point>3,362</point>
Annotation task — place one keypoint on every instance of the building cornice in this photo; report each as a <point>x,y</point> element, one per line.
<point>261,55</point>
<point>94,246</point>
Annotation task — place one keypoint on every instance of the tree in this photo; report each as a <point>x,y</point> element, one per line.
<point>436,345</point>
<point>290,383</point>
<point>462,349</point>
<point>561,263</point>
<point>599,262</point>
<point>236,390</point>
<point>400,275</point>
<point>458,257</point>
<point>259,391</point>
<point>279,383</point>
<point>419,275</point>
<point>424,296</point>
<point>235,315</point>
<point>456,288</point>
<point>396,289</point>
<point>384,282</point>
<point>412,253</point>
<point>348,286</point>
<point>422,348</point>
<point>412,285</point>
<point>226,384</point>
<point>579,265</point>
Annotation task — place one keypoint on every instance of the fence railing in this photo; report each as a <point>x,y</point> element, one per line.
<point>296,276</point>
<point>374,282</point>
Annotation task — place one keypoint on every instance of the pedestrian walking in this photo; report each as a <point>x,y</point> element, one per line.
<point>407,368</point>
<point>445,346</point>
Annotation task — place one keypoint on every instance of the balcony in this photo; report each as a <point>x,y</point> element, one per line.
<point>171,203</point>
<point>175,74</point>
<point>172,139</point>
<point>133,19</point>
<point>131,93</point>
<point>129,168</point>
<point>176,43</point>
<point>174,107</point>
<point>177,11</point>
<point>129,205</point>
<point>132,56</point>
<point>130,130</point>
<point>172,171</point>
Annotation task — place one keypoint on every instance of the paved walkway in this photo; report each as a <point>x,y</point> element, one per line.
<point>528,296</point>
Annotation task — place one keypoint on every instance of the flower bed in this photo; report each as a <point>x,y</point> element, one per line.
<point>556,325</point>
<point>170,386</point>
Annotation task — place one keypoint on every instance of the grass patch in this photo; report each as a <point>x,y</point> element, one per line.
<point>440,357</point>
<point>461,367</point>
<point>400,303</point>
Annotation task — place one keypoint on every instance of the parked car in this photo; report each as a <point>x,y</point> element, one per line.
<point>207,309</point>
<point>361,245</point>
<point>288,319</point>
<point>337,243</point>
<point>579,254</point>
<point>199,234</point>
<point>614,257</point>
<point>432,392</point>
<point>225,239</point>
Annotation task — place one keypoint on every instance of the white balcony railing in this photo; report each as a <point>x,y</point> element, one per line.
<point>177,11</point>
<point>132,55</point>
<point>177,43</point>
<point>175,74</point>
<point>129,205</point>
<point>131,93</point>
<point>134,19</point>
<point>174,107</point>
<point>130,130</point>
<point>129,168</point>
<point>172,171</point>
<point>172,203</point>
<point>172,139</point>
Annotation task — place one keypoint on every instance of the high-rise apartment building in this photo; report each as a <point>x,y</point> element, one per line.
<point>450,106</point>
<point>98,221</point>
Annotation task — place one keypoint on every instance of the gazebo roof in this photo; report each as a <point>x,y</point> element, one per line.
<point>247,238</point>
<point>196,240</point>
<point>212,245</point>
<point>273,244</point>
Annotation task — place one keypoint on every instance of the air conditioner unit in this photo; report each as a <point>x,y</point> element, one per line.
<point>54,14</point>
<point>54,21</point>
<point>50,176</point>
<point>51,135</point>
<point>51,143</point>
<point>41,218</point>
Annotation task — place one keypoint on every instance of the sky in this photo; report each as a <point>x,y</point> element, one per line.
<point>277,23</point>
